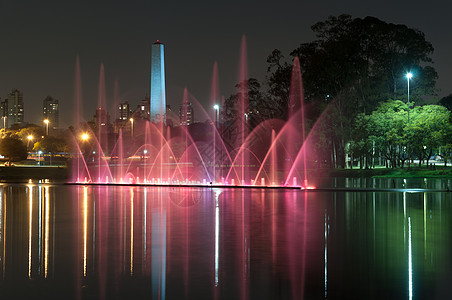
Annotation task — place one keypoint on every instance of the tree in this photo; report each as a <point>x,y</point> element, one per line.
<point>257,103</point>
<point>387,131</point>
<point>362,142</point>
<point>36,132</point>
<point>381,133</point>
<point>446,102</point>
<point>428,130</point>
<point>369,55</point>
<point>13,149</point>
<point>445,152</point>
<point>353,65</point>
<point>278,81</point>
<point>258,108</point>
<point>52,144</point>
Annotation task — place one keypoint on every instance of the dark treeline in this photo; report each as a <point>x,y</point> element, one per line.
<point>350,73</point>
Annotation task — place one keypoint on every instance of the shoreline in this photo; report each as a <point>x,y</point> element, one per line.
<point>62,173</point>
<point>407,172</point>
<point>24,173</point>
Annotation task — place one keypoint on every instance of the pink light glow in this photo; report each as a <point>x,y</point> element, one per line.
<point>273,154</point>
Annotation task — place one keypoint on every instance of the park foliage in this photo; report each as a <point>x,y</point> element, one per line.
<point>355,94</point>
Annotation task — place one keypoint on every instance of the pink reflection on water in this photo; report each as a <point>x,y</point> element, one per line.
<point>221,239</point>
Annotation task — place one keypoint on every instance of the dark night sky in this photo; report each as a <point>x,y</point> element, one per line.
<point>41,39</point>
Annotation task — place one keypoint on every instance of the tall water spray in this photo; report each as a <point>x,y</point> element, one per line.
<point>214,153</point>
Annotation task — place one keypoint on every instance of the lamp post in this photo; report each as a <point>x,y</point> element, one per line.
<point>46,121</point>
<point>217,112</point>
<point>131,126</point>
<point>4,122</point>
<point>216,107</point>
<point>84,138</point>
<point>39,157</point>
<point>29,138</point>
<point>408,77</point>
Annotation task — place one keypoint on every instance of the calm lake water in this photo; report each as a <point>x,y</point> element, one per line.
<point>98,242</point>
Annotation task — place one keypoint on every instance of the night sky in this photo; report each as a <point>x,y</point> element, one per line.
<point>41,39</point>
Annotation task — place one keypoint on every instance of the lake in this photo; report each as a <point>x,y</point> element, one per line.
<point>134,242</point>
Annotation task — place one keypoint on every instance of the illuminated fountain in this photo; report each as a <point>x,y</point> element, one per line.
<point>272,154</point>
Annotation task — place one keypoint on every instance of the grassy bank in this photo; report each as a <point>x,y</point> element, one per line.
<point>412,172</point>
<point>23,174</point>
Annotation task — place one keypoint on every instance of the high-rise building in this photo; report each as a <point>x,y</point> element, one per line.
<point>4,113</point>
<point>15,107</point>
<point>124,111</point>
<point>186,114</point>
<point>101,118</point>
<point>158,93</point>
<point>50,111</point>
<point>143,110</point>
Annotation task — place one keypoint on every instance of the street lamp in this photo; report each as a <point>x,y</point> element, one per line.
<point>39,157</point>
<point>29,138</point>
<point>216,107</point>
<point>408,77</point>
<point>46,121</point>
<point>84,136</point>
<point>131,126</point>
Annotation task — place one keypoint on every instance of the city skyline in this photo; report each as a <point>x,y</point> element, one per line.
<point>40,57</point>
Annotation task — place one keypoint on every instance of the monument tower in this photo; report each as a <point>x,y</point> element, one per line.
<point>158,94</point>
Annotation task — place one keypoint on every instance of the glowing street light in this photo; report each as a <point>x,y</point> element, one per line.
<point>216,107</point>
<point>85,136</point>
<point>29,138</point>
<point>408,77</point>
<point>131,126</point>
<point>39,157</point>
<point>217,112</point>
<point>46,121</point>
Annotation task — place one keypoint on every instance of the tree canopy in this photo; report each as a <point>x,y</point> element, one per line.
<point>13,149</point>
<point>352,66</point>
<point>349,71</point>
<point>52,144</point>
<point>388,132</point>
<point>368,56</point>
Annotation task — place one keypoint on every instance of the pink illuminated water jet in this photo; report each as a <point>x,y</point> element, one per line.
<point>273,154</point>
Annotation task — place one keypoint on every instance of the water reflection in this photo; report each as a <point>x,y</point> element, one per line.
<point>179,243</point>
<point>26,230</point>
